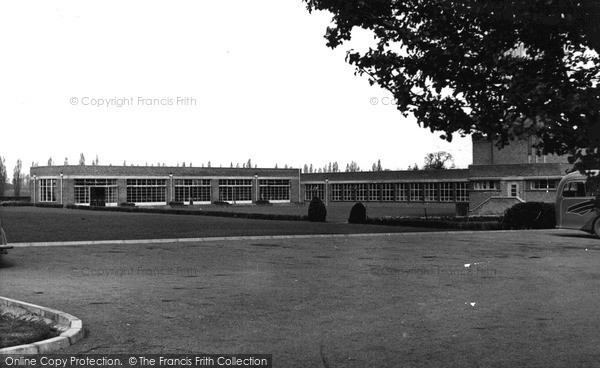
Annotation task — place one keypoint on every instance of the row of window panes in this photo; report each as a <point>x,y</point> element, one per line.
<point>275,193</point>
<point>95,182</point>
<point>146,182</point>
<point>400,192</point>
<point>543,184</point>
<point>235,182</point>
<point>196,193</point>
<point>274,189</point>
<point>274,182</point>
<point>82,194</point>
<point>235,193</point>
<point>47,190</point>
<point>146,194</point>
<point>192,182</point>
<point>485,185</point>
<point>314,190</point>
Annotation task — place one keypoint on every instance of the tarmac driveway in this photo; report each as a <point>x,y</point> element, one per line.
<point>527,298</point>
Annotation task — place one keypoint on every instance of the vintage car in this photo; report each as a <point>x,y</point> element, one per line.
<point>576,205</point>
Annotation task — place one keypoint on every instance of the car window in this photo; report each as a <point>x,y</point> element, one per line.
<point>574,189</point>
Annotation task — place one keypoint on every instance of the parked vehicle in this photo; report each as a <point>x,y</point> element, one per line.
<point>4,247</point>
<point>576,206</point>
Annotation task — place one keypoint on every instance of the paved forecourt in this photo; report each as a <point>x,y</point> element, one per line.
<point>428,299</point>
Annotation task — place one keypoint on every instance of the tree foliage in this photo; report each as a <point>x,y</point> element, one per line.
<point>17,180</point>
<point>81,159</point>
<point>438,160</point>
<point>3,175</point>
<point>504,69</point>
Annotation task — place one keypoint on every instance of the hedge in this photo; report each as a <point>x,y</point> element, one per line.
<point>530,215</point>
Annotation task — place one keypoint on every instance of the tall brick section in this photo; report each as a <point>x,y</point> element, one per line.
<point>516,171</point>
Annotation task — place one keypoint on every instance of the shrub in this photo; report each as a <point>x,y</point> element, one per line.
<point>530,215</point>
<point>127,204</point>
<point>263,202</point>
<point>317,212</point>
<point>221,203</point>
<point>49,205</point>
<point>176,203</point>
<point>358,214</point>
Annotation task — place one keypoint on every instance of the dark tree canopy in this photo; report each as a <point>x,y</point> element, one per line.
<point>504,69</point>
<point>438,160</point>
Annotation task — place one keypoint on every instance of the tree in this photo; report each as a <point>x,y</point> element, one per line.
<point>352,167</point>
<point>249,164</point>
<point>17,178</point>
<point>310,169</point>
<point>501,69</point>
<point>66,161</point>
<point>438,160</point>
<point>50,162</point>
<point>305,170</point>
<point>3,175</point>
<point>81,159</point>
<point>415,167</point>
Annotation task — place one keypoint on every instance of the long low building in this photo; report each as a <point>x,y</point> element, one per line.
<point>496,180</point>
<point>147,185</point>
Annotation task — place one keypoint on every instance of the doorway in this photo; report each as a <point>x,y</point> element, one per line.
<point>97,196</point>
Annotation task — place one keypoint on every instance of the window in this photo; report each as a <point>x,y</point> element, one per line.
<point>92,191</point>
<point>361,192</point>
<point>446,192</point>
<point>462,192</point>
<point>274,189</point>
<point>348,192</point>
<point>387,192</point>
<point>146,191</point>
<point>233,190</point>
<point>485,185</point>
<point>416,192</point>
<point>430,190</point>
<point>574,189</point>
<point>336,192</point>
<point>354,192</point>
<point>314,190</point>
<point>373,192</point>
<point>401,194</point>
<point>198,190</point>
<point>543,184</point>
<point>47,190</point>
<point>513,190</point>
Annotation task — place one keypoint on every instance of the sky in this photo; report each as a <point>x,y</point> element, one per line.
<point>150,82</point>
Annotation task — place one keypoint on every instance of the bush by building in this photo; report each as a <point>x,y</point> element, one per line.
<point>317,212</point>
<point>358,214</point>
<point>263,202</point>
<point>221,203</point>
<point>530,215</point>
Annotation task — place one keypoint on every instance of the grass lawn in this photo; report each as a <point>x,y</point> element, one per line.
<point>34,224</point>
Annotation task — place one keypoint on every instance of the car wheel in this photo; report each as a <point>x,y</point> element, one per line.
<point>596,227</point>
